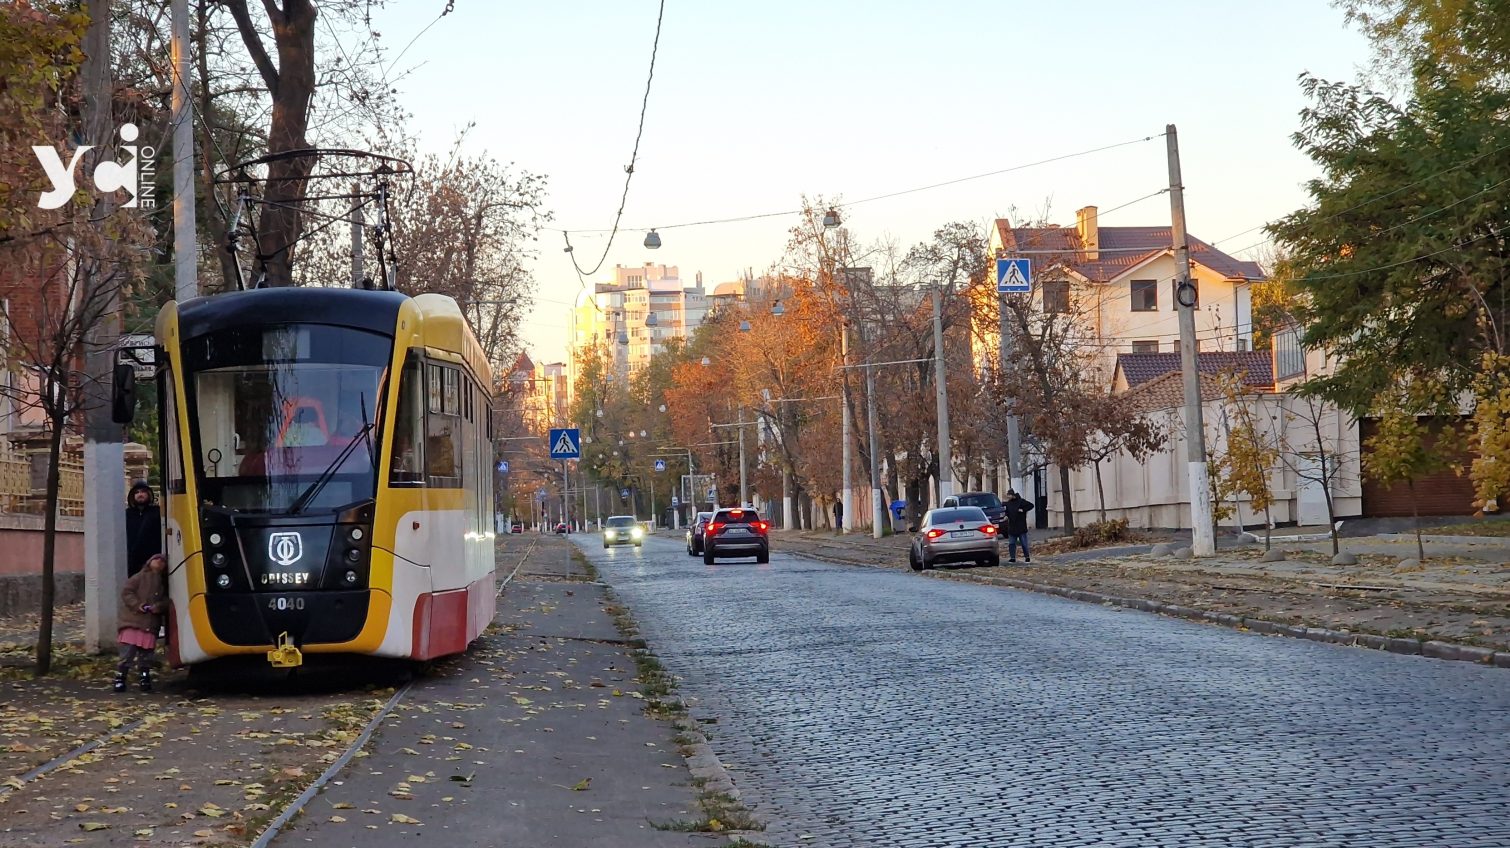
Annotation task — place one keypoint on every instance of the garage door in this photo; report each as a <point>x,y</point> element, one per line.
<point>1442,493</point>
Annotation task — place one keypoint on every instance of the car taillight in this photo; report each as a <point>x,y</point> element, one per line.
<point>761,526</point>
<point>713,528</point>
<point>988,529</point>
<point>934,534</point>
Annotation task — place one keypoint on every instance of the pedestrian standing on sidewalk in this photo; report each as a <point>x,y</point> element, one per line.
<point>144,527</point>
<point>144,599</point>
<point>1017,526</point>
<point>838,514</point>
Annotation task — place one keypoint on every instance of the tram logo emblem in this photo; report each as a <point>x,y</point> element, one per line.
<point>285,548</point>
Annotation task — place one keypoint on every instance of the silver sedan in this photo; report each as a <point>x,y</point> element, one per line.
<point>955,534</point>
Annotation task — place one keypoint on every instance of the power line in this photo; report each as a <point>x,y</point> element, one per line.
<point>633,157</point>
<point>757,216</point>
<point>450,7</point>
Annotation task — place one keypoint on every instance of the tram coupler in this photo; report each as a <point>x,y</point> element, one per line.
<point>286,655</point>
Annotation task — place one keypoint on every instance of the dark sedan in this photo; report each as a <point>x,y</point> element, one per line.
<point>695,531</point>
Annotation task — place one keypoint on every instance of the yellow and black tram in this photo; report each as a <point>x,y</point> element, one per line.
<point>327,475</point>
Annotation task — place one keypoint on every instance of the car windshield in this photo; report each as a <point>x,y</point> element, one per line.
<point>964,514</point>
<point>985,500</point>
<point>620,522</point>
<point>274,408</point>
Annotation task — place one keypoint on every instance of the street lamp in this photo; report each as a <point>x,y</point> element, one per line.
<point>744,326</point>
<point>652,240</point>
<point>777,310</point>
<point>831,219</point>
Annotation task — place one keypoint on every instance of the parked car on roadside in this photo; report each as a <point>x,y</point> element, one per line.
<point>955,534</point>
<point>695,532</point>
<point>562,528</point>
<point>623,530</point>
<point>516,527</point>
<point>736,532</point>
<point>989,503</point>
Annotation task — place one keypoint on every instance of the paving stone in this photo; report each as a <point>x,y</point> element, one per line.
<point>868,708</point>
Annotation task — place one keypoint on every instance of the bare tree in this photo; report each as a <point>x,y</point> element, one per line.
<point>1312,454</point>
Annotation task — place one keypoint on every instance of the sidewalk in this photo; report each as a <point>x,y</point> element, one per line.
<point>538,736</point>
<point>1460,595</point>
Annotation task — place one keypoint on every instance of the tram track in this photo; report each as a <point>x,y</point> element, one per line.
<point>16,783</point>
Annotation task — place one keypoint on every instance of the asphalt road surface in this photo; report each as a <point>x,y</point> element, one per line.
<point>869,707</point>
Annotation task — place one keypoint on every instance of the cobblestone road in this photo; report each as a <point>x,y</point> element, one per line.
<point>868,707</point>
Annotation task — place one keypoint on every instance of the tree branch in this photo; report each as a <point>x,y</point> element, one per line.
<point>253,41</point>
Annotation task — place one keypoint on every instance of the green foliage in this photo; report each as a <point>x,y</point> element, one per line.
<point>1470,38</point>
<point>1401,257</point>
<point>1489,431</point>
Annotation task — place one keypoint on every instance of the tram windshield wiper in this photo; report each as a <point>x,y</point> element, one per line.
<point>363,435</point>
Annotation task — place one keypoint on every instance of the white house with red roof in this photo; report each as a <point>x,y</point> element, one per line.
<point>1122,281</point>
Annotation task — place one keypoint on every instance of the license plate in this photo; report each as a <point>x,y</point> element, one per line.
<point>961,534</point>
<point>736,531</point>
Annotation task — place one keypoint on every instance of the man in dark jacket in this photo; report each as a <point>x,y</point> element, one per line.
<point>144,527</point>
<point>1017,526</point>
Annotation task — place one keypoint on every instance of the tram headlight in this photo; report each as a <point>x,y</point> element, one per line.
<point>217,560</point>
<point>353,555</point>
<point>216,539</point>
<point>351,577</point>
<point>356,534</point>
<point>223,581</point>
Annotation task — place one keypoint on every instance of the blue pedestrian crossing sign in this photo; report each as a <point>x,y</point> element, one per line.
<point>566,443</point>
<point>1014,276</point>
<point>503,466</point>
<point>660,465</point>
<point>623,493</point>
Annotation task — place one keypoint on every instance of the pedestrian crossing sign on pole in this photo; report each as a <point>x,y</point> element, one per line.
<point>660,465</point>
<point>1014,276</point>
<point>566,443</point>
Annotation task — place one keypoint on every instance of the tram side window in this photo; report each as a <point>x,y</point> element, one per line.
<point>409,427</point>
<point>173,461</point>
<point>443,432</point>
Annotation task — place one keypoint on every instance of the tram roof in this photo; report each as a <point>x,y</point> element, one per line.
<point>375,311</point>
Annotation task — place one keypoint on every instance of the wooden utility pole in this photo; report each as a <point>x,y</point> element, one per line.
<point>1014,433</point>
<point>1203,536</point>
<point>185,240</point>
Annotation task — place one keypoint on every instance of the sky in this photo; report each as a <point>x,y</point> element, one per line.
<point>754,105</point>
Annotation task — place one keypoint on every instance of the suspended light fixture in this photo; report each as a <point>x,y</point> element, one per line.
<point>831,219</point>
<point>707,362</point>
<point>778,310</point>
<point>652,240</point>
<point>650,319</point>
<point>744,326</point>
<point>623,338</point>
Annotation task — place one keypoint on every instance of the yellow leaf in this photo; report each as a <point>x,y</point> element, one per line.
<point>204,834</point>
<point>340,805</point>
<point>338,819</point>
<point>415,778</point>
<point>581,785</point>
<point>400,818</point>
<point>143,832</point>
<point>93,826</point>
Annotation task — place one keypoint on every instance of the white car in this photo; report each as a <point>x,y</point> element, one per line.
<point>623,530</point>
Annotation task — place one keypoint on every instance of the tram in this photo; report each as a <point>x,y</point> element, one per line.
<point>327,471</point>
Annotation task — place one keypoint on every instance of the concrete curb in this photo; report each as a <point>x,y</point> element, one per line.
<point>1414,647</point>
<point>1492,541</point>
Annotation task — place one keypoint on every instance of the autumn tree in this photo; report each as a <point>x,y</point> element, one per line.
<point>1121,428</point>
<point>1397,453</point>
<point>1241,467</point>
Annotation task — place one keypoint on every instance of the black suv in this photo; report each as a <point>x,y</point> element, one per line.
<point>695,532</point>
<point>736,532</point>
<point>988,502</point>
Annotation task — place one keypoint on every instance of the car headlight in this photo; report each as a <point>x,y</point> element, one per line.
<point>636,532</point>
<point>608,533</point>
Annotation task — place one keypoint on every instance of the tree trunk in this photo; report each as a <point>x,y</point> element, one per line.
<point>1066,501</point>
<point>1268,525</point>
<point>50,546</point>
<point>1415,513</point>
<point>291,85</point>
<point>1100,489</point>
<point>209,210</point>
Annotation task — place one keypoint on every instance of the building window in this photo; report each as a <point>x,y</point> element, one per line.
<point>1174,293</point>
<point>1056,296</point>
<point>1145,346</point>
<point>1145,295</point>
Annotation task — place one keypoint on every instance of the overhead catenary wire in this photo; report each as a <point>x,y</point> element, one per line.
<point>633,157</point>
<point>888,195</point>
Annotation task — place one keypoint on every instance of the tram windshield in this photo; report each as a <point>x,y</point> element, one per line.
<point>285,417</point>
